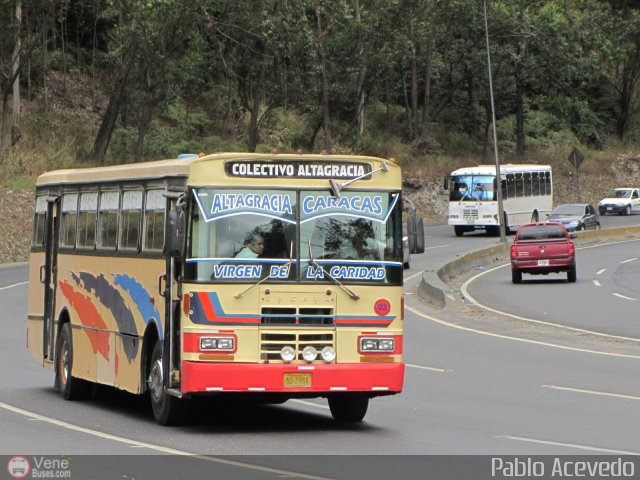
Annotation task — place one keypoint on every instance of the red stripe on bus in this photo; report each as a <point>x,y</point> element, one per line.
<point>89,317</point>
<point>205,301</point>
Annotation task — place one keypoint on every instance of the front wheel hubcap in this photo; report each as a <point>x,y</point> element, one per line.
<point>155,380</point>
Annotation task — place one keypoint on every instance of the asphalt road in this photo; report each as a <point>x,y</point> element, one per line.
<point>465,393</point>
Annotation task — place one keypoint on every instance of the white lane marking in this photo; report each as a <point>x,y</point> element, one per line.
<point>524,340</point>
<point>413,276</point>
<point>172,451</point>
<point>569,445</point>
<point>602,270</point>
<point>597,283</point>
<point>310,404</point>
<point>421,367</point>
<point>629,260</point>
<point>592,392</point>
<point>472,300</point>
<point>14,285</point>
<point>436,246</point>
<point>624,296</point>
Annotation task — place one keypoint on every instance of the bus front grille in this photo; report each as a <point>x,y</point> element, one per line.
<point>470,213</point>
<point>273,341</point>
<point>308,316</point>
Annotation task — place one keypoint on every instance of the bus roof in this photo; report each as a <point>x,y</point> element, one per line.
<point>184,167</point>
<point>504,169</point>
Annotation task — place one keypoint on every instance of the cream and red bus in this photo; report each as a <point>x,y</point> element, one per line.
<point>274,276</point>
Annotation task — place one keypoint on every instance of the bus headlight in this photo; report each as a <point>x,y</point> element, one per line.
<point>287,354</point>
<point>374,344</point>
<point>309,354</point>
<point>217,343</point>
<point>328,354</point>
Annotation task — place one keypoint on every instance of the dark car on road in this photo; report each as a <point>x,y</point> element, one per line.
<point>576,216</point>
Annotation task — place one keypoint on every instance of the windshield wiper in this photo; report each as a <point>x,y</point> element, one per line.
<point>352,295</point>
<point>336,187</point>
<point>286,265</point>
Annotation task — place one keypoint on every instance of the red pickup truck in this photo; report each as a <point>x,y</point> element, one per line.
<point>542,248</point>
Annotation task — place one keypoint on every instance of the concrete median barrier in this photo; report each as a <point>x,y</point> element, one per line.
<point>434,286</point>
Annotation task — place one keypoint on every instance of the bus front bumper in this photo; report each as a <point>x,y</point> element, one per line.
<point>291,378</point>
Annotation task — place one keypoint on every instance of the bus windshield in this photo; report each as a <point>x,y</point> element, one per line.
<point>242,235</point>
<point>472,187</point>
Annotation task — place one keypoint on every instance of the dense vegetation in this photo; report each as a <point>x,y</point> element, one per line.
<point>406,78</point>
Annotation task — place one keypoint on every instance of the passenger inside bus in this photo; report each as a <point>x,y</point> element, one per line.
<point>253,246</point>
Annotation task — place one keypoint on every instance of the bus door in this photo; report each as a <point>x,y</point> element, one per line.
<point>48,276</point>
<point>175,226</point>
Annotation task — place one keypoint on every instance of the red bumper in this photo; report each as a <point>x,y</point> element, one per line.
<point>239,377</point>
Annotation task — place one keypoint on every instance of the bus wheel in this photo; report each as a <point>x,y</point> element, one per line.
<point>167,409</point>
<point>71,388</point>
<point>349,407</point>
<point>459,231</point>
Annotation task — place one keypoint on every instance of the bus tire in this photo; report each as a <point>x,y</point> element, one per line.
<point>72,388</point>
<point>459,231</point>
<point>167,409</point>
<point>349,407</point>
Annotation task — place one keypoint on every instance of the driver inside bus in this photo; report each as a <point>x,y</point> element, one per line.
<point>361,243</point>
<point>254,246</point>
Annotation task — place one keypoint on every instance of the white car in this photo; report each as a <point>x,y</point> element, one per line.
<point>623,201</point>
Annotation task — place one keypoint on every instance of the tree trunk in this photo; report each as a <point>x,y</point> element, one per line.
<point>414,81</point>
<point>630,79</point>
<point>520,141</point>
<point>15,73</point>
<point>113,108</point>
<point>143,128</point>
<point>326,117</point>
<point>407,107</point>
<point>387,98</point>
<point>427,85</point>
<point>362,75</point>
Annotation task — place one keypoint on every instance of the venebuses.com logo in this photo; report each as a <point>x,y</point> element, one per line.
<point>18,467</point>
<point>39,467</point>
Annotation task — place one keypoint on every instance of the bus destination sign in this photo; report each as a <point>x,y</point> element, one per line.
<point>296,169</point>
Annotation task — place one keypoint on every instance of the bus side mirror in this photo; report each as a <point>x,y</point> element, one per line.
<point>415,232</point>
<point>445,184</point>
<point>174,233</point>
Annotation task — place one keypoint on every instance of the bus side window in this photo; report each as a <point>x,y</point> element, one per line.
<point>535,184</point>
<point>519,185</point>
<point>527,183</point>
<point>108,220</point>
<point>547,182</point>
<point>130,219</point>
<point>511,185</point>
<point>87,217</point>
<point>39,222</point>
<point>154,214</point>
<point>69,219</point>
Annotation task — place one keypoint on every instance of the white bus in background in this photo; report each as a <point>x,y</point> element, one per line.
<point>527,192</point>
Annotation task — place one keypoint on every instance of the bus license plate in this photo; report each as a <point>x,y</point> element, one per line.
<point>543,263</point>
<point>297,380</point>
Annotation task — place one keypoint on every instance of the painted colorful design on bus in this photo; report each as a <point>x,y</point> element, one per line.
<point>206,309</point>
<point>92,290</point>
